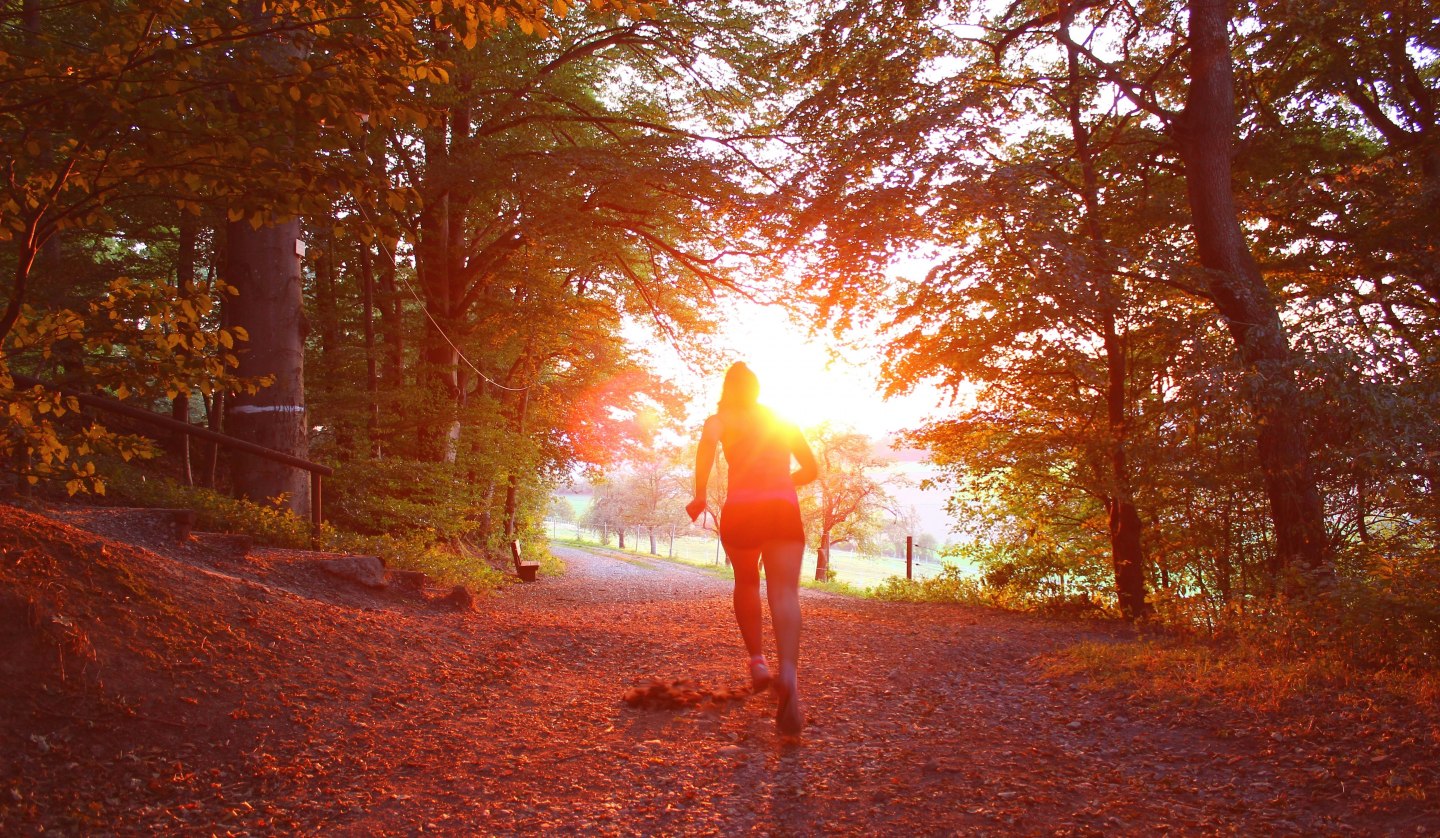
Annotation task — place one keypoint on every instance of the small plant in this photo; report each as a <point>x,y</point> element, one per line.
<point>836,586</point>
<point>214,511</point>
<point>950,585</point>
<point>449,563</point>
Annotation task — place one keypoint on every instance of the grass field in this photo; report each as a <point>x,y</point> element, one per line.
<point>702,550</point>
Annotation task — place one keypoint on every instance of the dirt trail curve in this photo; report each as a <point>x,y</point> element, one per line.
<point>374,716</point>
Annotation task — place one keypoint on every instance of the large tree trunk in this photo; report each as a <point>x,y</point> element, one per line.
<point>264,267</point>
<point>440,364</point>
<point>441,257</point>
<point>1204,135</point>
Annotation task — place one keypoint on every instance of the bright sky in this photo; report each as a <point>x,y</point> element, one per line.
<point>801,381</point>
<point>799,378</point>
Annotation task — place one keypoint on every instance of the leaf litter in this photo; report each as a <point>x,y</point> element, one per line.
<point>161,687</point>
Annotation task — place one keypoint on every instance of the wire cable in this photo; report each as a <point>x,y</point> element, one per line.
<point>433,322</point>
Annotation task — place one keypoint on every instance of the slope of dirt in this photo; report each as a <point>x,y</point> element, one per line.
<point>208,691</point>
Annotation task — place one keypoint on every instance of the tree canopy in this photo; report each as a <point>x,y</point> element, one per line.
<point>1180,260</point>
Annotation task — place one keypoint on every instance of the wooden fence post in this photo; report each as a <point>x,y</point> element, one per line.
<point>317,507</point>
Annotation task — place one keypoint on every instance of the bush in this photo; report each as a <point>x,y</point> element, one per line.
<point>214,511</point>
<point>951,585</point>
<point>397,495</point>
<point>833,586</point>
<point>448,563</point>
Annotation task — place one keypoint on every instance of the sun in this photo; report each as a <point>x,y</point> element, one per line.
<point>799,377</point>
<point>804,378</point>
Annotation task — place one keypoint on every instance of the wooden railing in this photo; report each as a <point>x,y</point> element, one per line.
<point>318,473</point>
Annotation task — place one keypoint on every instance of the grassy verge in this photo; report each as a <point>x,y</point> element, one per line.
<point>1340,649</point>
<point>721,570</point>
<point>836,586</point>
<point>1200,674</point>
<point>833,586</point>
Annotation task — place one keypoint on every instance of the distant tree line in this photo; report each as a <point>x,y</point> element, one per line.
<point>849,502</point>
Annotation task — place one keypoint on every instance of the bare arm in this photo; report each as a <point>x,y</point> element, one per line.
<point>800,449</point>
<point>704,462</point>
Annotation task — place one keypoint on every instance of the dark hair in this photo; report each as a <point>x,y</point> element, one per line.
<point>741,388</point>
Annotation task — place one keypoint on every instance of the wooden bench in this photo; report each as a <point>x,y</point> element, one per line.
<point>525,568</point>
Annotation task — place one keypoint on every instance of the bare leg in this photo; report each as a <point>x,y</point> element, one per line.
<point>746,564</point>
<point>782,587</point>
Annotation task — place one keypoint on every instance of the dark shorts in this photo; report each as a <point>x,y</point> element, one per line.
<point>745,525</point>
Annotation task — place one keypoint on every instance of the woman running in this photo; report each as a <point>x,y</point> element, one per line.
<point>760,522</point>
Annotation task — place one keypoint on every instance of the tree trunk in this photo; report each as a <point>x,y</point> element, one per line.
<point>372,374</point>
<point>264,268</point>
<point>487,500</point>
<point>1429,279</point>
<point>1126,547</point>
<point>328,292</point>
<point>1204,136</point>
<point>822,557</point>
<point>441,361</point>
<point>184,284</point>
<point>392,326</point>
<point>512,491</point>
<point>214,419</point>
<point>325,308</point>
<point>440,260</point>
<point>263,265</point>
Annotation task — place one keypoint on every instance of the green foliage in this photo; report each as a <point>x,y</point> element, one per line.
<point>834,586</point>
<point>374,497</point>
<point>951,584</point>
<point>265,523</point>
<point>1063,309</point>
<point>561,509</point>
<point>140,341</point>
<point>447,562</point>
<point>1387,620</point>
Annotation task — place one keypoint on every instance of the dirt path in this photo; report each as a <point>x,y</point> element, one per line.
<point>922,720</point>
<point>367,715</point>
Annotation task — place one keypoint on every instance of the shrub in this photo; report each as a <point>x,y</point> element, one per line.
<point>950,585</point>
<point>447,562</point>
